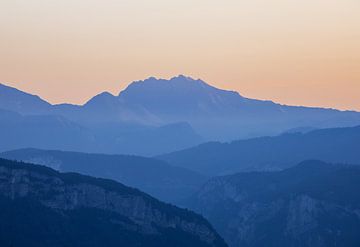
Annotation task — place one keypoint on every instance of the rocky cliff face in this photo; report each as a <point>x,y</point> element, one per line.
<point>314,204</point>
<point>69,192</point>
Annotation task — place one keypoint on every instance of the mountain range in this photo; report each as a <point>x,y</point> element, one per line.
<point>237,161</point>
<point>42,207</point>
<point>58,132</point>
<point>156,116</point>
<point>336,145</point>
<point>311,204</point>
<point>159,179</point>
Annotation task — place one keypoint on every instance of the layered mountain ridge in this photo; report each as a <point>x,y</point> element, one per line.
<point>155,177</point>
<point>311,204</point>
<point>336,145</point>
<point>145,106</point>
<point>135,219</point>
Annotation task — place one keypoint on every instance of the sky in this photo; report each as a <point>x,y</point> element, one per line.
<point>297,52</point>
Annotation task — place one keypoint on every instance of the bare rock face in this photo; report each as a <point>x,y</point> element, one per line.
<point>312,204</point>
<point>66,192</point>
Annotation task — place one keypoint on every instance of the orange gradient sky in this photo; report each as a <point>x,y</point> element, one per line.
<point>299,52</point>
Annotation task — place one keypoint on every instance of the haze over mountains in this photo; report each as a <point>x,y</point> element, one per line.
<point>148,116</point>
<point>28,121</point>
<point>336,145</point>
<point>158,178</point>
<point>311,204</point>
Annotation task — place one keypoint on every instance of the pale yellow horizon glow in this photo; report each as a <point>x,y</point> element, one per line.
<point>297,52</point>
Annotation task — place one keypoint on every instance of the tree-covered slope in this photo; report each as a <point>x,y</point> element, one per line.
<point>313,204</point>
<point>41,207</point>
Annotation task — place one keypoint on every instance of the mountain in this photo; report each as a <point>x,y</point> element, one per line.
<point>163,181</point>
<point>180,96</point>
<point>136,139</point>
<point>57,132</point>
<point>41,207</point>
<point>270,153</point>
<point>107,130</point>
<point>213,113</point>
<point>42,131</point>
<point>314,204</point>
<point>15,100</point>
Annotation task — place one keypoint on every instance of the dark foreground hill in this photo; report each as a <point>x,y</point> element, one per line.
<point>336,145</point>
<point>41,207</point>
<point>314,204</point>
<point>156,177</point>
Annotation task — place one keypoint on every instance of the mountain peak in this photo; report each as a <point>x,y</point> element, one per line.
<point>104,94</point>
<point>181,94</point>
<point>183,77</point>
<point>174,85</point>
<point>102,99</point>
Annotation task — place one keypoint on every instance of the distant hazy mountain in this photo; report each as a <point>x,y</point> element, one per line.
<point>57,132</point>
<point>42,131</point>
<point>214,113</point>
<point>270,153</point>
<point>165,182</point>
<point>41,207</point>
<point>311,205</point>
<point>143,140</point>
<point>106,130</point>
